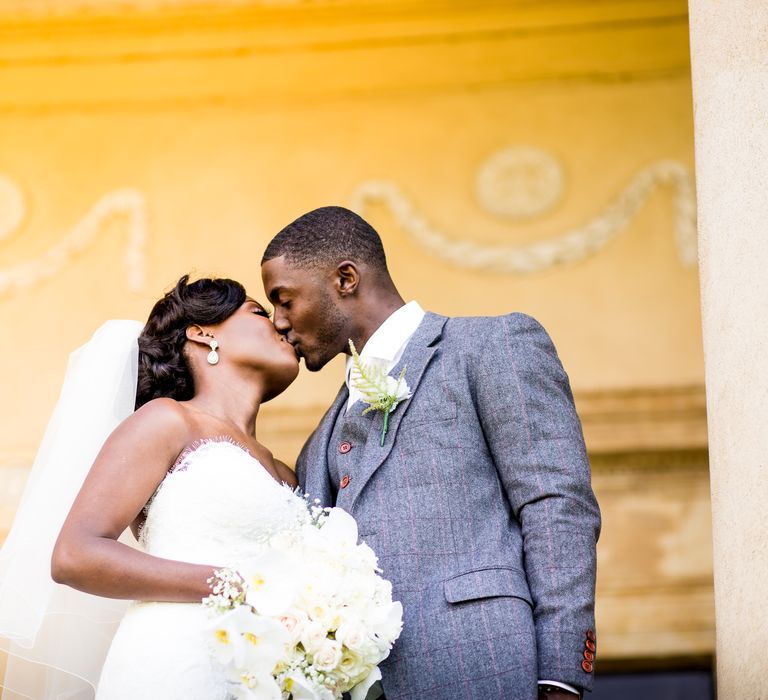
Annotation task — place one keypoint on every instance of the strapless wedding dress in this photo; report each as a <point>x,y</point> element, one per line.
<point>217,506</point>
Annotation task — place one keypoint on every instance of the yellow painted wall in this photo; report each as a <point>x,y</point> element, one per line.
<point>221,172</point>
<point>230,119</point>
<point>219,183</point>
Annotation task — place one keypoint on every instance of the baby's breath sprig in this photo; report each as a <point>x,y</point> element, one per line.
<point>318,515</point>
<point>227,590</point>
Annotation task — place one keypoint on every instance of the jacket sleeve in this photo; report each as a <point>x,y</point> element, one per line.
<point>527,414</point>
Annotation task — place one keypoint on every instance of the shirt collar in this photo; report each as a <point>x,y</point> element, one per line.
<point>390,338</point>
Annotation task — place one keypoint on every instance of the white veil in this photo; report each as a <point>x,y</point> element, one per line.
<point>56,637</point>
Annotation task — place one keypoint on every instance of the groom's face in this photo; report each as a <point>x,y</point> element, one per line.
<point>306,311</point>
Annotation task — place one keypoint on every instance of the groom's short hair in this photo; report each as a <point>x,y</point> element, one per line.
<point>325,237</point>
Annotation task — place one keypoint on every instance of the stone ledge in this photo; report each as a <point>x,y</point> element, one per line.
<point>674,622</point>
<point>644,419</point>
<point>294,52</point>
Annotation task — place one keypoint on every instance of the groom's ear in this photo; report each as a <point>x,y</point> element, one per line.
<point>346,278</point>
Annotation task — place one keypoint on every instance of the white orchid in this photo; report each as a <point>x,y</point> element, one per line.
<point>339,529</point>
<point>249,686</point>
<point>387,622</point>
<point>271,581</point>
<point>301,688</point>
<point>264,644</point>
<point>361,689</point>
<point>248,641</point>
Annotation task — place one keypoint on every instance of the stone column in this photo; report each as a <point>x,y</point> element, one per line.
<point>729,52</point>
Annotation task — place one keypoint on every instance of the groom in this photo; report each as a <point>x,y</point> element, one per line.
<point>478,503</point>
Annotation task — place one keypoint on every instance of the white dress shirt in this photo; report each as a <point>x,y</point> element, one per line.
<point>387,345</point>
<point>388,342</point>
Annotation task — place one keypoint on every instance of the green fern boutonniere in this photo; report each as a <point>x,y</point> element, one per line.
<point>378,389</point>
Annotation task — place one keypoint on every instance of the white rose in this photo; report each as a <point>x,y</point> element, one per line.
<point>354,666</point>
<point>313,635</point>
<point>294,622</point>
<point>327,657</point>
<point>351,634</point>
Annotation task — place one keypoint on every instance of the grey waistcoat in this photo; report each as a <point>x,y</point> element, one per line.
<point>346,444</point>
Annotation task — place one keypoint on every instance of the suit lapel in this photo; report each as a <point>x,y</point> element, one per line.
<point>415,359</point>
<point>317,482</point>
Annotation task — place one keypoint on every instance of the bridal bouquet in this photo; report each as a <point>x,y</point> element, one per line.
<point>309,619</point>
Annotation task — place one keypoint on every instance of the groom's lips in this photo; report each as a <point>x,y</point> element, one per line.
<point>294,347</point>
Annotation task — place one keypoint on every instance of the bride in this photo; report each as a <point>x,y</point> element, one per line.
<point>185,472</point>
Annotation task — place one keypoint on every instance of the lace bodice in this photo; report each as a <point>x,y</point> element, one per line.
<point>217,506</point>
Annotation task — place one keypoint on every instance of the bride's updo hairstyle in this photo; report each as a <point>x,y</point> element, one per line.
<point>163,368</point>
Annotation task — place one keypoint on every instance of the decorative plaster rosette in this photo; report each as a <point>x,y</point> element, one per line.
<point>520,183</point>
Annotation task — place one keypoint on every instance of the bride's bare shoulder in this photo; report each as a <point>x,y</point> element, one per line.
<point>164,420</point>
<point>164,409</point>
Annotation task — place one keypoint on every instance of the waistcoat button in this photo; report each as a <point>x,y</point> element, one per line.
<point>344,481</point>
<point>345,447</point>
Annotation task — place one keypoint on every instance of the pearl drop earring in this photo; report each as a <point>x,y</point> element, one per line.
<point>213,356</point>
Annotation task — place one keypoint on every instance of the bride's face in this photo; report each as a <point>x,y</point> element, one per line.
<point>248,338</point>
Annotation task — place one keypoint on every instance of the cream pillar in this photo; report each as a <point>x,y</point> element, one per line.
<point>729,50</point>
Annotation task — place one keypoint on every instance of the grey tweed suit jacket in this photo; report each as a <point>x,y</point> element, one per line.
<point>480,508</point>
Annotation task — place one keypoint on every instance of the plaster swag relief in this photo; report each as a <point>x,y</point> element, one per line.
<point>514,183</point>
<point>521,183</point>
<point>128,204</point>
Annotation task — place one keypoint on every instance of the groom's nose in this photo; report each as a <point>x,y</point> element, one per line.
<point>280,321</point>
